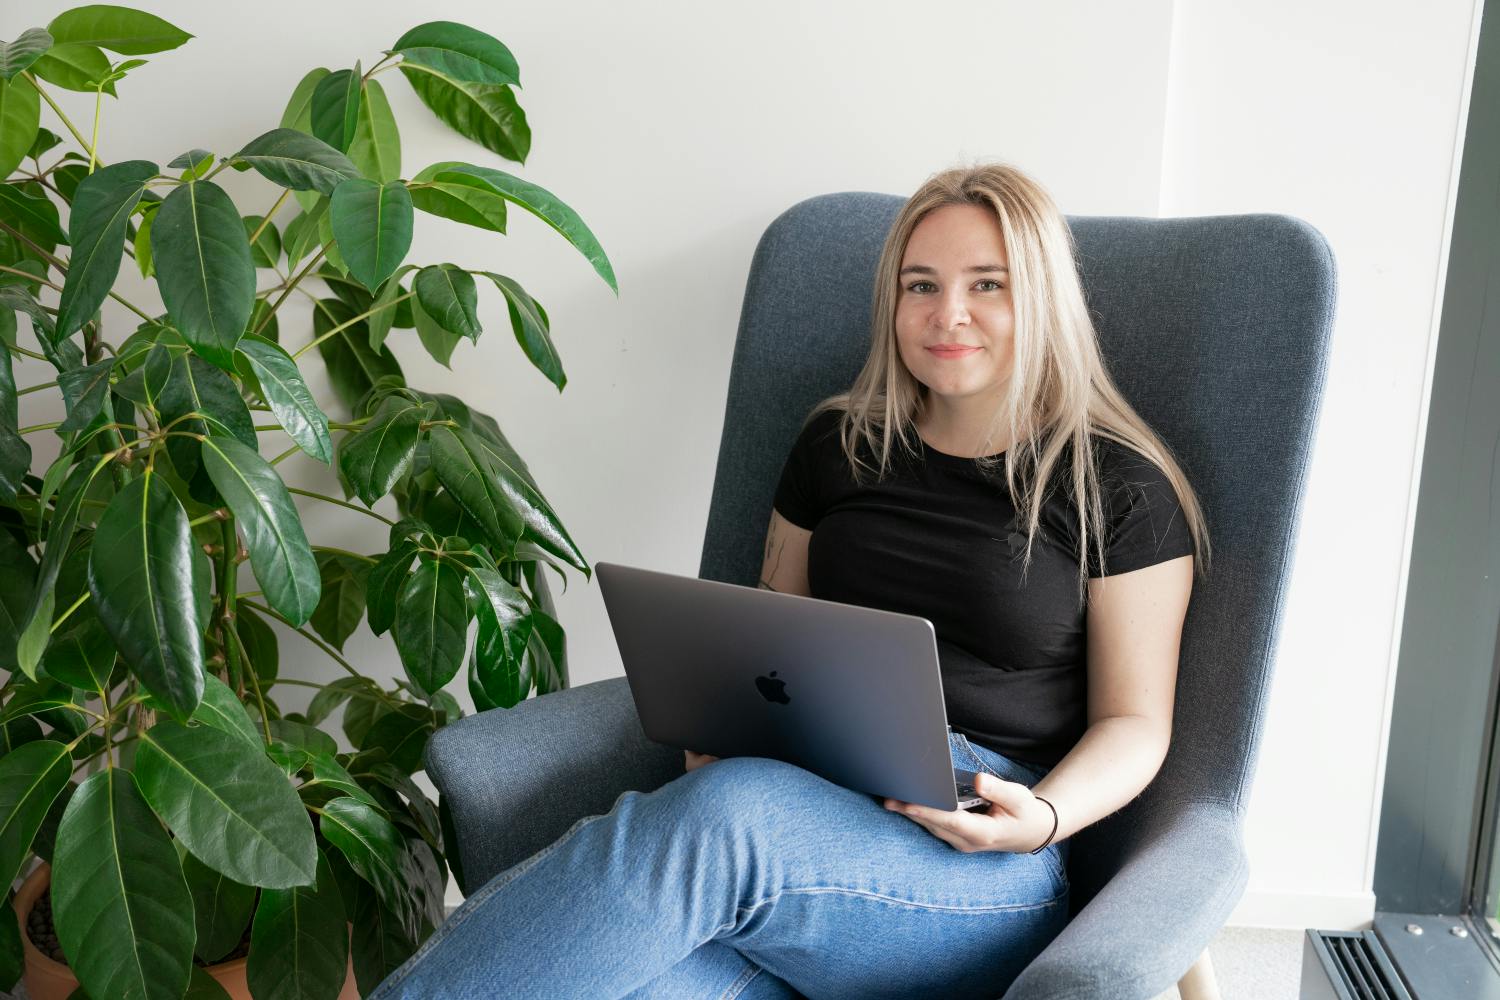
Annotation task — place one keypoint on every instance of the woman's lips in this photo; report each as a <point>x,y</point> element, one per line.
<point>946,352</point>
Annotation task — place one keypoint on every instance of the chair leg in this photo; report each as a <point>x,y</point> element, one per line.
<point>1199,982</point>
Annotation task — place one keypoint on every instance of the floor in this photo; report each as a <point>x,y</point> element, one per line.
<point>1250,964</point>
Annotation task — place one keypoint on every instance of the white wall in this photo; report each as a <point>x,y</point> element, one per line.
<point>679,130</point>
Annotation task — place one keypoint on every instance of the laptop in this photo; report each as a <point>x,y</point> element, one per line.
<point>851,694</point>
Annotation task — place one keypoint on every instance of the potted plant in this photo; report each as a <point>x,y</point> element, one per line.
<point>182,815</point>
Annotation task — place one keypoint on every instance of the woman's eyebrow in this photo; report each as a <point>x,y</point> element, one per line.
<point>976,269</point>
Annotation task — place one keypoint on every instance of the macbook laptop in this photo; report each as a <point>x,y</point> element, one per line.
<point>849,693</point>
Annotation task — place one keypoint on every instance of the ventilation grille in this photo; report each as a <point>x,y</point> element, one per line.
<point>1358,965</point>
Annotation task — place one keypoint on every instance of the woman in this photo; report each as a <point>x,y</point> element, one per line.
<point>1058,612</point>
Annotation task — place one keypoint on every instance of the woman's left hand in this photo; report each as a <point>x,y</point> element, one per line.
<point>1015,820</point>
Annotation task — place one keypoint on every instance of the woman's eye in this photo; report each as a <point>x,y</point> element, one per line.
<point>920,287</point>
<point>995,286</point>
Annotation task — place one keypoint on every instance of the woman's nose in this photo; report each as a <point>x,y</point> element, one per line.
<point>951,311</point>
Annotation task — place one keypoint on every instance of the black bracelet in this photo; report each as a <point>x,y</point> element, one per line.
<point>1039,850</point>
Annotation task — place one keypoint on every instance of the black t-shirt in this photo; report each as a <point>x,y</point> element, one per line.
<point>939,538</point>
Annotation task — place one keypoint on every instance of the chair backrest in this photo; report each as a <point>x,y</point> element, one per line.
<point>1215,328</point>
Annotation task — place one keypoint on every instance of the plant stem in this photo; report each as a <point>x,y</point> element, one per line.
<point>309,637</point>
<point>290,285</point>
<point>29,354</point>
<point>265,220</point>
<point>344,552</point>
<point>48,98</point>
<point>39,427</point>
<point>341,503</point>
<point>94,139</point>
<point>215,515</point>
<point>28,275</point>
<point>35,388</point>
<point>81,598</point>
<point>286,454</point>
<point>347,323</point>
<point>374,695</point>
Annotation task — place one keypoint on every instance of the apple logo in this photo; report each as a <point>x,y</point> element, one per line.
<point>772,690</point>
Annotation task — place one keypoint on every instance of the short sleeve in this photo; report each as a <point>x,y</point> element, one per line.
<point>799,497</point>
<point>1146,524</point>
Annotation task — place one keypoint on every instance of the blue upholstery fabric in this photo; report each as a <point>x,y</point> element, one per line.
<point>1216,329</point>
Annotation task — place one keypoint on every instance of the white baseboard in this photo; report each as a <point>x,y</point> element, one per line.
<point>1326,911</point>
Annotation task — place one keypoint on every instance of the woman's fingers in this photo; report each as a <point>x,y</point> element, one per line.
<point>695,760</point>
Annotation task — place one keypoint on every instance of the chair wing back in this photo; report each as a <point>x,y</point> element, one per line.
<point>1216,330</point>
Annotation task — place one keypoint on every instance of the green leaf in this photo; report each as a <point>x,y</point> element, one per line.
<point>376,149</point>
<point>447,294</point>
<point>541,203</point>
<point>83,654</point>
<point>459,197</point>
<point>485,113</point>
<point>234,810</point>
<point>20,115</point>
<point>193,164</point>
<point>298,161</point>
<point>144,262</point>
<point>96,229</point>
<point>144,589</point>
<point>382,315</point>
<point>84,391</point>
<point>38,622</point>
<point>119,900</point>
<point>21,53</point>
<point>222,709</point>
<point>335,107</point>
<point>290,400</point>
<point>329,772</point>
<point>34,216</point>
<point>191,385</point>
<point>31,777</point>
<point>302,231</point>
<point>16,585</point>
<point>300,734</point>
<point>119,29</point>
<point>438,342</point>
<point>260,645</point>
<point>12,954</point>
<point>385,584</point>
<point>529,322</point>
<point>373,848</point>
<point>380,944</point>
<point>299,942</point>
<point>542,523</point>
<point>465,470</point>
<point>335,693</point>
<point>221,908</point>
<point>373,225</point>
<point>279,554</point>
<point>360,715</point>
<point>352,366</point>
<point>432,623</point>
<point>265,251</point>
<point>402,734</point>
<point>342,606</point>
<point>498,662</point>
<point>376,456</point>
<point>74,66</point>
<point>203,268</point>
<point>458,52</point>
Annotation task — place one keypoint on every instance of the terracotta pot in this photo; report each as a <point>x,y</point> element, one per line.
<point>49,980</point>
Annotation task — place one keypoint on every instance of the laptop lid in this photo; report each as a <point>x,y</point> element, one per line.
<point>850,693</point>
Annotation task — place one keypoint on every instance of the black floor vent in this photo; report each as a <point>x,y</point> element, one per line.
<point>1348,965</point>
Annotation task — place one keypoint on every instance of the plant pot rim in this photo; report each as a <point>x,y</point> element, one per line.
<point>26,897</point>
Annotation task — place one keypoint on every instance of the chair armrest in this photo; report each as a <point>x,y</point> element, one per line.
<point>1179,881</point>
<point>513,780</point>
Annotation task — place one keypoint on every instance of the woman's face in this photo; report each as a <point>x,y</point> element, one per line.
<point>955,293</point>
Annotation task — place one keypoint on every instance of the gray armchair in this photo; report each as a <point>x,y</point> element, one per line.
<point>1216,329</point>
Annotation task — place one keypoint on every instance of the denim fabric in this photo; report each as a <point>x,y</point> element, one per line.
<point>750,878</point>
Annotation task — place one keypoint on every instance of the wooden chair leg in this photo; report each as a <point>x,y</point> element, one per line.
<point>1199,982</point>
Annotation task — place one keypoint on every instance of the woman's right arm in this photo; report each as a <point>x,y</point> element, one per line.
<point>783,569</point>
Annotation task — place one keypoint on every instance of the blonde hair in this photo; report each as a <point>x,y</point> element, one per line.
<point>1060,392</point>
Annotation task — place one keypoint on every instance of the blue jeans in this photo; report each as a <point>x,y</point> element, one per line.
<point>750,878</point>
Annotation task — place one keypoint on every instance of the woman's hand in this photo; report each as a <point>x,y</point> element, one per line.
<point>1014,821</point>
<point>696,760</point>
